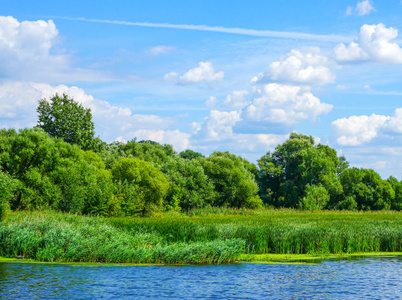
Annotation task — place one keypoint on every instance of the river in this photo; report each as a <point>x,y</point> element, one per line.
<point>363,278</point>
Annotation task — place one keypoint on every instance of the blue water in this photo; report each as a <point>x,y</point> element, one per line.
<point>366,278</point>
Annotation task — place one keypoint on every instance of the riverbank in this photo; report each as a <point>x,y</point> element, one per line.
<point>253,236</point>
<point>291,259</point>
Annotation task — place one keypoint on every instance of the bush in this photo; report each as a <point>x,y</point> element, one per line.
<point>316,198</point>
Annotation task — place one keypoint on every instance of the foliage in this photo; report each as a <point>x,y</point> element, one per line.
<point>65,118</point>
<point>367,188</point>
<point>234,184</point>
<point>7,188</point>
<point>53,173</point>
<point>150,183</point>
<point>396,202</point>
<point>316,198</point>
<point>189,187</point>
<point>190,154</point>
<point>295,164</point>
<point>152,152</point>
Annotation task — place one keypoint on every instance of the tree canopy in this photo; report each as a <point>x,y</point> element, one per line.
<point>65,118</point>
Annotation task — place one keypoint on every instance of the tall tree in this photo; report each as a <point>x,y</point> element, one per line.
<point>65,118</point>
<point>294,165</point>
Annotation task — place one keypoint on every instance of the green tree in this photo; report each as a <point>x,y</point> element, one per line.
<point>367,188</point>
<point>234,185</point>
<point>150,184</point>
<point>190,154</point>
<point>396,203</point>
<point>285,173</point>
<point>7,188</point>
<point>53,173</point>
<point>65,118</point>
<point>189,186</point>
<point>316,198</point>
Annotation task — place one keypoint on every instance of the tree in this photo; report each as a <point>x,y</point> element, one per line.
<point>234,184</point>
<point>190,154</point>
<point>189,186</point>
<point>285,173</point>
<point>316,198</point>
<point>367,188</point>
<point>150,151</point>
<point>65,118</point>
<point>148,182</point>
<point>53,174</point>
<point>7,188</point>
<point>396,203</point>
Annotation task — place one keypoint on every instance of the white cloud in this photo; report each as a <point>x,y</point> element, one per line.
<point>236,100</point>
<point>179,140</point>
<point>241,31</point>
<point>373,44</point>
<point>18,101</point>
<point>216,133</point>
<point>158,50</point>
<point>205,72</point>
<point>299,67</point>
<point>357,130</point>
<point>284,104</point>
<point>26,45</point>
<point>362,130</point>
<point>211,102</point>
<point>218,125</point>
<point>362,8</point>
<point>28,53</point>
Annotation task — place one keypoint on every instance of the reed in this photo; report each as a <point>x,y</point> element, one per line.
<point>208,237</point>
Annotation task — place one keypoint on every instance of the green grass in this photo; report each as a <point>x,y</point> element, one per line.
<point>205,237</point>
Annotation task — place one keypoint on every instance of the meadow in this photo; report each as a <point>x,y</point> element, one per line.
<point>208,236</point>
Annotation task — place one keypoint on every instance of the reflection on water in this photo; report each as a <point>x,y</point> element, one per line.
<point>366,278</point>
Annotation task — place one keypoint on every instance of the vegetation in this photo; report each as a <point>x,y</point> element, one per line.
<point>64,118</point>
<point>211,208</point>
<point>211,238</point>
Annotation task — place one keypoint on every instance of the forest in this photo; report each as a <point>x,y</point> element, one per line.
<point>60,165</point>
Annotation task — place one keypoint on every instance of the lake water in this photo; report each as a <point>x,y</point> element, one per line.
<point>366,278</point>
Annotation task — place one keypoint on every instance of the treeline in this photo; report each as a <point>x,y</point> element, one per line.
<point>60,165</point>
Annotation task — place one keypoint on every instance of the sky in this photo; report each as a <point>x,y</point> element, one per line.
<point>236,76</point>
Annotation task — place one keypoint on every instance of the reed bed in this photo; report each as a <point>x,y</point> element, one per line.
<point>282,231</point>
<point>203,238</point>
<point>68,238</point>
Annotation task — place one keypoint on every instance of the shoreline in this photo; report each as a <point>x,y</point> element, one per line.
<point>290,259</point>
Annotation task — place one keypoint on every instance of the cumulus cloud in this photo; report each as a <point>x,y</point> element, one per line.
<point>18,101</point>
<point>205,72</point>
<point>28,53</point>
<point>158,50</point>
<point>373,44</point>
<point>299,67</point>
<point>284,104</point>
<point>360,130</point>
<point>179,140</point>
<point>356,130</point>
<point>216,132</point>
<point>25,45</point>
<point>236,100</point>
<point>362,8</point>
<point>218,125</point>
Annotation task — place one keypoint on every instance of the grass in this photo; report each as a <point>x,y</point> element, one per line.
<point>201,237</point>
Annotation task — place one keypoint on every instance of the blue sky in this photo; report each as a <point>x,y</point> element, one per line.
<point>214,75</point>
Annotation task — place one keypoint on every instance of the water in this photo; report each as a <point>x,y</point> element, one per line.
<point>367,278</point>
